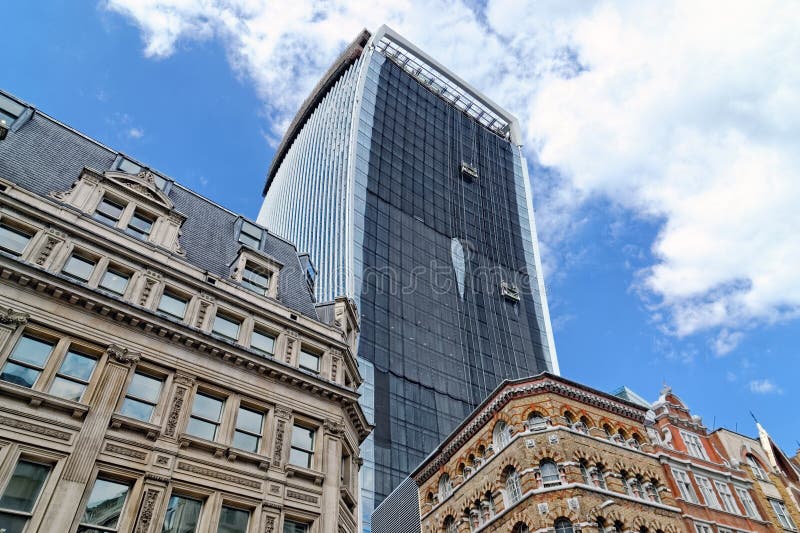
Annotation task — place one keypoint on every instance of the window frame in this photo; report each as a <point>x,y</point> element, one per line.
<point>707,491</point>
<point>48,462</point>
<point>20,229</point>
<point>179,491</point>
<point>83,255</point>
<point>265,332</point>
<point>114,201</point>
<point>782,513</point>
<point>694,445</point>
<point>117,270</point>
<point>230,316</point>
<point>218,424</point>
<point>306,349</point>
<point>114,477</point>
<point>312,452</point>
<point>142,214</point>
<point>243,404</point>
<point>176,294</point>
<point>150,372</point>
<point>684,485</point>
<point>748,504</point>
<point>726,497</point>
<point>755,466</point>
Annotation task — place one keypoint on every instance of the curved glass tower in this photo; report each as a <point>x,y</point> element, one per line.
<point>409,190</point>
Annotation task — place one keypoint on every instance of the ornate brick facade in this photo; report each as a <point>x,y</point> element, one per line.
<point>547,453</point>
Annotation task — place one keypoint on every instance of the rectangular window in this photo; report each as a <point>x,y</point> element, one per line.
<point>302,451</point>
<point>783,515</point>
<point>309,361</point>
<point>73,376</point>
<point>694,445</point>
<point>684,485</point>
<point>173,305</point>
<point>291,526</point>
<point>263,342</point>
<point>206,413</point>
<point>142,397</point>
<point>104,506</point>
<point>13,240</point>
<point>749,505</point>
<point>256,279</point>
<point>226,326</point>
<point>26,362</point>
<point>140,226</point>
<point>709,496</point>
<point>250,235</point>
<point>249,425</point>
<point>728,502</point>
<point>115,281</point>
<point>233,520</point>
<point>183,515</point>
<point>108,212</point>
<point>78,267</point>
<point>20,495</point>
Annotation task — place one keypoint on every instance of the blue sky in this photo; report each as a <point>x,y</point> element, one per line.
<point>630,211</point>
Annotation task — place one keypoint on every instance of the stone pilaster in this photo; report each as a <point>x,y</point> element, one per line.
<point>79,465</point>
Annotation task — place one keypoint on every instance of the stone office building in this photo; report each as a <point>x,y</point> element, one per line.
<point>546,454</point>
<point>163,364</point>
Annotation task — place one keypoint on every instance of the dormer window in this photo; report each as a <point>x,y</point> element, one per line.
<point>109,212</point>
<point>250,235</point>
<point>129,167</point>
<point>140,225</point>
<point>255,279</point>
<point>9,110</point>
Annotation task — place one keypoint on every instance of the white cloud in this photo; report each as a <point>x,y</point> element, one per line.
<point>764,386</point>
<point>686,113</point>
<point>136,133</point>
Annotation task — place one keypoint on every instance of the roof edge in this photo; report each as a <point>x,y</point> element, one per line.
<point>349,56</point>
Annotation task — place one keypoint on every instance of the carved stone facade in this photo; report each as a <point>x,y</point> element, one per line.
<point>108,370</point>
<point>544,453</point>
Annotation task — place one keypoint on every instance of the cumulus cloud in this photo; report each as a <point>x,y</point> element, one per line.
<point>764,386</point>
<point>136,133</point>
<point>686,113</point>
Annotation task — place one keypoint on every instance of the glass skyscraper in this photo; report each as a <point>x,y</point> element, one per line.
<point>409,190</point>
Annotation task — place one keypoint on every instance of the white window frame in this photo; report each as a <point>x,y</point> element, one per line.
<point>702,528</point>
<point>728,501</point>
<point>783,515</point>
<point>685,486</point>
<point>707,490</point>
<point>749,505</point>
<point>694,445</point>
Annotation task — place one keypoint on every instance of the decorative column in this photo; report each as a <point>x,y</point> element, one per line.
<point>183,384</point>
<point>152,497</point>
<point>282,417</point>
<point>80,463</point>
<point>332,450</point>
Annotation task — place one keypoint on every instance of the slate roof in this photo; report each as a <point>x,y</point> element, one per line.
<point>43,155</point>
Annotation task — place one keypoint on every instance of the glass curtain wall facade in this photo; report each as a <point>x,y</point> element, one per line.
<point>411,194</point>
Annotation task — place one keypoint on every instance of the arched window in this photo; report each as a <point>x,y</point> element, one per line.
<point>601,524</point>
<point>569,417</point>
<point>598,478</point>
<point>513,487</point>
<point>758,470</point>
<point>652,491</point>
<point>608,430</point>
<point>501,435</point>
<point>537,422</point>
<point>635,489</point>
<point>549,473</point>
<point>585,473</point>
<point>563,525</point>
<point>619,527</point>
<point>429,498</point>
<point>481,451</point>
<point>450,525</point>
<point>520,527</point>
<point>460,469</point>
<point>445,487</point>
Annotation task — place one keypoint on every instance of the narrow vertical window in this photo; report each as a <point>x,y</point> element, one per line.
<point>684,485</point>
<point>205,418</point>
<point>249,425</point>
<point>13,240</point>
<point>749,505</point>
<point>104,507</point>
<point>142,397</point>
<point>709,496</point>
<point>728,502</point>
<point>302,450</point>
<point>26,362</point>
<point>783,515</point>
<point>21,493</point>
<point>182,515</point>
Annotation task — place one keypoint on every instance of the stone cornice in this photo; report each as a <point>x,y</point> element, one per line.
<point>512,391</point>
<point>90,300</point>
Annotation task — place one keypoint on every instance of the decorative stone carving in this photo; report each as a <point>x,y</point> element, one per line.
<point>291,340</point>
<point>122,355</point>
<point>302,497</point>
<point>13,318</point>
<point>156,477</point>
<point>52,238</point>
<point>183,379</point>
<point>205,303</point>
<point>136,454</point>
<point>149,283</point>
<point>278,454</point>
<point>269,524</point>
<point>334,428</point>
<point>146,513</point>
<point>188,467</point>
<point>33,428</point>
<point>175,411</point>
<point>162,460</point>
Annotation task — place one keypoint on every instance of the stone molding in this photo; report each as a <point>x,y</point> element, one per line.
<point>13,318</point>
